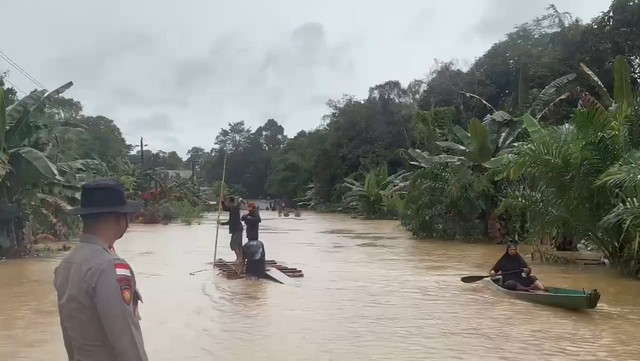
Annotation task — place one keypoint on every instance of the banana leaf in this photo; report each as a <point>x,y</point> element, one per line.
<point>493,110</point>
<point>622,92</point>
<point>549,92</point>
<point>480,149</point>
<point>509,135</point>
<point>452,146</point>
<point>502,116</point>
<point>32,166</point>
<point>18,116</point>
<point>593,78</point>
<point>27,102</point>
<point>532,126</point>
<point>462,134</point>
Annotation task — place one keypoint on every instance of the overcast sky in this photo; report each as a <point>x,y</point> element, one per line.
<point>176,72</point>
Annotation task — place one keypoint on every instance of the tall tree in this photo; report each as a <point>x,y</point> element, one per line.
<point>102,140</point>
<point>174,161</point>
<point>271,135</point>
<point>293,166</point>
<point>234,138</point>
<point>196,154</point>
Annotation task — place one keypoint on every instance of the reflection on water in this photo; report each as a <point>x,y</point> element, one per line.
<point>369,292</point>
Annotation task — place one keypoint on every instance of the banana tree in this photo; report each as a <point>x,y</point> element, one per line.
<point>563,89</point>
<point>377,194</point>
<point>28,178</point>
<point>497,132</point>
<point>480,146</point>
<point>17,134</point>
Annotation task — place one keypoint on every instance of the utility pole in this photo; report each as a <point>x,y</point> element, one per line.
<point>224,172</point>
<point>141,153</point>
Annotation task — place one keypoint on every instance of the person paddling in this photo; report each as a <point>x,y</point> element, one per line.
<point>511,261</point>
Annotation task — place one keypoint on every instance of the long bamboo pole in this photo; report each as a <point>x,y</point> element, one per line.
<point>224,173</point>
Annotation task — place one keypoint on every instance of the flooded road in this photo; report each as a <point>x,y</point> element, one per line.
<point>370,292</point>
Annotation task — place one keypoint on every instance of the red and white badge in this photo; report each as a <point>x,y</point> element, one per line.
<point>123,269</point>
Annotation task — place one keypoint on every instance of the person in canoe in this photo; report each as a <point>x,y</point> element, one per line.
<point>511,261</point>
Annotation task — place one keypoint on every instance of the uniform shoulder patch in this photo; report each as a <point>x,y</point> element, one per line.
<point>122,269</point>
<point>123,274</point>
<point>127,295</point>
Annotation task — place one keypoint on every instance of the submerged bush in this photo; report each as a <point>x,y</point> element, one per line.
<point>446,201</point>
<point>187,213</point>
<point>168,212</point>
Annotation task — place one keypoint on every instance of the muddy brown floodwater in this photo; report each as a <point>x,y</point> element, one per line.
<point>370,292</point>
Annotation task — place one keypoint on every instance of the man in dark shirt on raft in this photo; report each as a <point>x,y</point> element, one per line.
<point>235,229</point>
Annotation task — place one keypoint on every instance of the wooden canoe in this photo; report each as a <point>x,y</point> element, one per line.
<point>557,297</point>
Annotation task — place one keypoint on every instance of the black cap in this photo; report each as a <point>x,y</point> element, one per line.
<point>105,196</point>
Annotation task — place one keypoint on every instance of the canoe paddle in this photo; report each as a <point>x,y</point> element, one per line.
<point>471,279</point>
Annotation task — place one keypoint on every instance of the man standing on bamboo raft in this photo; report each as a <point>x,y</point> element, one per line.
<point>235,229</point>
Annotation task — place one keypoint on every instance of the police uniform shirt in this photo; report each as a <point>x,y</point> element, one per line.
<point>98,304</point>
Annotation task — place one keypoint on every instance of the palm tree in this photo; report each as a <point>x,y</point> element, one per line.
<point>579,181</point>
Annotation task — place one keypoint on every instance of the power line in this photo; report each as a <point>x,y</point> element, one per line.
<point>14,86</point>
<point>21,70</point>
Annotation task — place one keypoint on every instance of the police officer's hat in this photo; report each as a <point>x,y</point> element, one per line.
<point>104,196</point>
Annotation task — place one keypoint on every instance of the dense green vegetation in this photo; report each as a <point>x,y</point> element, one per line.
<point>48,149</point>
<point>538,140</point>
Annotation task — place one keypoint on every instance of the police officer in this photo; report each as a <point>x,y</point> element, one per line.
<point>97,294</point>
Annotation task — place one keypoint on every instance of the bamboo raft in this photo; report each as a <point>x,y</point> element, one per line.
<point>230,271</point>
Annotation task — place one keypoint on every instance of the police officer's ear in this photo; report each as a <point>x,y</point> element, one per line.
<point>124,219</point>
<point>123,222</point>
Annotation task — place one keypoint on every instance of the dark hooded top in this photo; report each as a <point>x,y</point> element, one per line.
<point>508,263</point>
<point>252,220</point>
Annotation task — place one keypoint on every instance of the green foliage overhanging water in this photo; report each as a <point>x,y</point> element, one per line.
<point>536,141</point>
